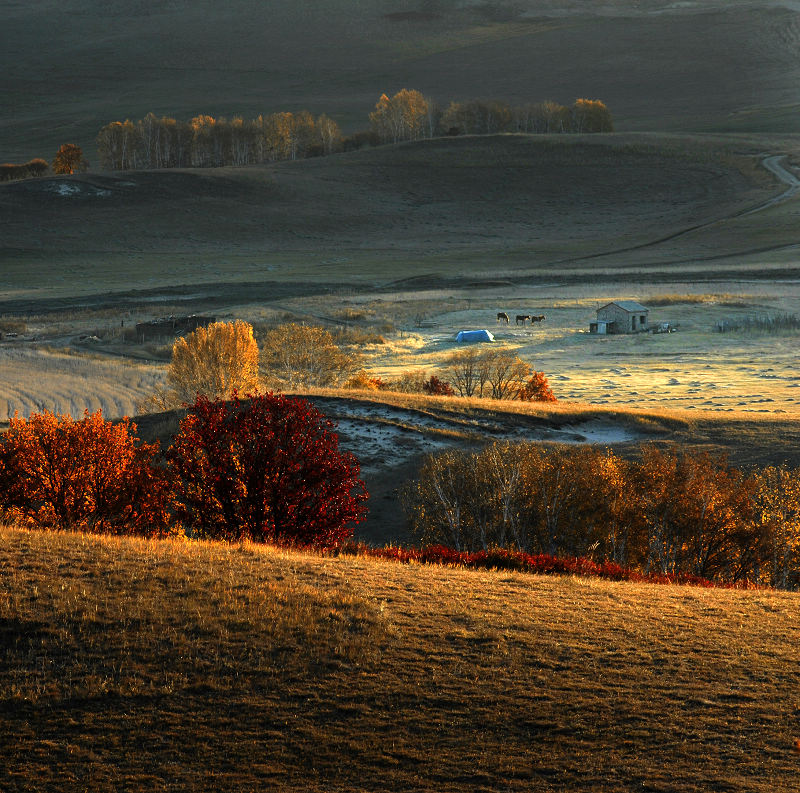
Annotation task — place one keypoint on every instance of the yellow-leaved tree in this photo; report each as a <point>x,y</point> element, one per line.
<point>400,118</point>
<point>213,361</point>
<point>304,356</point>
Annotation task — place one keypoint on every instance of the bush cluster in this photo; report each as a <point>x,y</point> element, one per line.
<point>33,168</point>
<point>669,512</point>
<point>265,469</point>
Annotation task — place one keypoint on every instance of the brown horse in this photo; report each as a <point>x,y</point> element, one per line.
<point>502,317</point>
<point>540,318</point>
<point>521,318</point>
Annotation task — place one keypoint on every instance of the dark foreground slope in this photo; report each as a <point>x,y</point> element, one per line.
<point>71,66</point>
<point>155,666</point>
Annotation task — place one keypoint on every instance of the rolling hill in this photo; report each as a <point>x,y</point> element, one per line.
<point>477,206</point>
<point>711,65</point>
<point>135,665</point>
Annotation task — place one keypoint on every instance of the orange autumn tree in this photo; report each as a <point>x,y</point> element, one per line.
<point>69,159</point>
<point>537,389</point>
<point>88,475</point>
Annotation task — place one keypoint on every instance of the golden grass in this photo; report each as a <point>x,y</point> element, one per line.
<point>139,665</point>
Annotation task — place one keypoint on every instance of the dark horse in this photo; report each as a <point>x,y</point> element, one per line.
<point>521,318</point>
<point>540,318</point>
<point>502,317</point>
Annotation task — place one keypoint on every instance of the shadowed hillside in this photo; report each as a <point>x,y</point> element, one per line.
<point>523,201</point>
<point>70,67</point>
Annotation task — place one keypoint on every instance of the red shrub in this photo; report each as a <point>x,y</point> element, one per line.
<point>266,469</point>
<point>502,559</point>
<point>437,387</point>
<point>88,475</point>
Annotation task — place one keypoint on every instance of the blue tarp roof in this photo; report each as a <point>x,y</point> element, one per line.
<point>474,336</point>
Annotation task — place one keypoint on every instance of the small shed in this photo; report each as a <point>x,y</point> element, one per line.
<point>170,327</point>
<point>621,316</point>
<point>473,336</point>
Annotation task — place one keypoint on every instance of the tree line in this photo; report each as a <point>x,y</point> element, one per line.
<point>69,159</point>
<point>409,115</point>
<point>229,356</point>
<point>205,141</point>
<point>669,512</point>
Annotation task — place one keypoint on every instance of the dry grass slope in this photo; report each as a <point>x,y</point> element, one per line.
<point>134,665</point>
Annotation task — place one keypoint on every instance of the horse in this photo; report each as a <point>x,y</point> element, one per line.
<point>521,318</point>
<point>502,317</point>
<point>540,318</point>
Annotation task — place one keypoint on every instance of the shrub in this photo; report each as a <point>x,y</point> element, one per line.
<point>90,475</point>
<point>268,469</point>
<point>363,381</point>
<point>436,387</point>
<point>412,381</point>
<point>537,389</point>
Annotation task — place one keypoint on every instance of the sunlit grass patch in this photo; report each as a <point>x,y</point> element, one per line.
<point>143,664</point>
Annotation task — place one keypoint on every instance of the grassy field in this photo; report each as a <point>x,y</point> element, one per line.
<point>521,207</point>
<point>159,665</point>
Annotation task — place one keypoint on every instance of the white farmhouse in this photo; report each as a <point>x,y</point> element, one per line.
<point>621,316</point>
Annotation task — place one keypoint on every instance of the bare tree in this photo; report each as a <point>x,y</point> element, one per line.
<point>305,355</point>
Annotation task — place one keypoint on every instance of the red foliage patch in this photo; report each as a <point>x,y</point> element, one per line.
<point>540,564</point>
<point>268,469</point>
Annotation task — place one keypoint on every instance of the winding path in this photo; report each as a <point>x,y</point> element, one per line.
<point>774,165</point>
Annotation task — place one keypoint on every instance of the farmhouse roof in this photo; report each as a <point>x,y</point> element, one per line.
<point>631,306</point>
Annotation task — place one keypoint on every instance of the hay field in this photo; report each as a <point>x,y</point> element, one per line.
<point>131,664</point>
<point>33,380</point>
<point>704,65</point>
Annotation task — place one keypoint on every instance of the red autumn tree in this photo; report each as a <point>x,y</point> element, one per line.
<point>88,475</point>
<point>266,469</point>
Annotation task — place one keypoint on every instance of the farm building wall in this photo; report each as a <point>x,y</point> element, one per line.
<point>621,321</point>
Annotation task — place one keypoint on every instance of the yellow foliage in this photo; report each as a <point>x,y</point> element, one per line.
<point>214,361</point>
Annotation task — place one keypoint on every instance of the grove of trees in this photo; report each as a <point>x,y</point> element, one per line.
<point>669,512</point>
<point>497,373</point>
<point>409,115</point>
<point>205,141</point>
